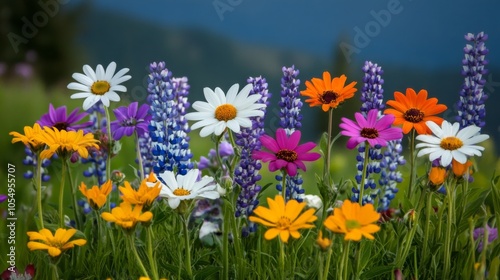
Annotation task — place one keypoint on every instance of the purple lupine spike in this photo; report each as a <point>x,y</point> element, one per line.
<point>246,174</point>
<point>31,160</point>
<point>390,176</point>
<point>97,157</point>
<point>146,153</point>
<point>471,109</point>
<point>290,119</point>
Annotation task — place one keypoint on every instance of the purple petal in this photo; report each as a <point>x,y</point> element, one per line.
<point>132,109</point>
<point>291,169</point>
<point>269,143</point>
<point>361,120</point>
<point>372,118</point>
<point>281,138</point>
<point>294,140</point>
<point>304,148</point>
<point>143,111</point>
<point>263,156</point>
<point>353,142</point>
<point>309,156</point>
<point>384,122</point>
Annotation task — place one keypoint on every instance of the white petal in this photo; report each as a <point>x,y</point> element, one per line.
<point>476,139</point>
<point>434,128</point>
<point>209,195</point>
<point>243,95</point>
<point>244,122</point>
<point>190,179</point>
<point>458,156</point>
<point>471,150</point>
<point>428,139</point>
<point>110,71</point>
<point>203,107</point>
<point>220,95</point>
<point>231,94</point>
<point>89,72</point>
<point>435,154</point>
<point>90,101</point>
<point>116,81</point>
<point>120,74</point>
<point>83,79</point>
<point>207,130</point>
<point>446,158</point>
<point>105,100</point>
<point>80,95</point>
<point>455,129</point>
<point>78,86</point>
<point>196,116</point>
<point>203,123</point>
<point>219,128</point>
<point>169,178</point>
<point>174,202</point>
<point>100,72</point>
<point>112,96</point>
<point>468,132</point>
<point>233,125</point>
<point>426,151</point>
<point>118,88</point>
<point>211,97</point>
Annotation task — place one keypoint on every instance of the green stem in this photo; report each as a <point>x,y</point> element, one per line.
<point>428,214</point>
<point>137,257</point>
<point>327,264</point>
<point>282,260</point>
<point>412,163</point>
<point>61,191</point>
<point>344,261</point>
<point>329,144</point>
<point>75,203</point>
<point>283,183</point>
<point>151,257</point>
<point>363,174</point>
<point>450,195</point>
<point>358,260</point>
<point>217,154</point>
<point>225,239</point>
<point>241,268</point>
<point>139,157</point>
<point>187,244</point>
<point>39,188</point>
<point>110,143</point>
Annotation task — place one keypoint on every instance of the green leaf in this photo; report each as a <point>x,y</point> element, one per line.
<point>206,272</point>
<point>472,208</point>
<point>378,271</point>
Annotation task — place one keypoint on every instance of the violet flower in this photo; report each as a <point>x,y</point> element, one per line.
<point>59,119</point>
<point>478,234</point>
<point>130,119</point>
<point>3,198</point>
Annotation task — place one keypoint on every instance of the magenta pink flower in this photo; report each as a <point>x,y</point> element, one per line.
<point>371,129</point>
<point>285,152</point>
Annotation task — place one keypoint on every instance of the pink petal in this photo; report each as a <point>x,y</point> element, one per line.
<point>281,138</point>
<point>304,148</point>
<point>294,140</point>
<point>300,164</point>
<point>361,120</point>
<point>309,156</point>
<point>372,118</point>
<point>353,142</point>
<point>291,169</point>
<point>269,142</point>
<point>384,122</point>
<point>263,156</point>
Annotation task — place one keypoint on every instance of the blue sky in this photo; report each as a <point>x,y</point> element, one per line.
<point>422,33</point>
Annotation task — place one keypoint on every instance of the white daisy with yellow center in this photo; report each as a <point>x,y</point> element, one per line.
<point>450,142</point>
<point>99,85</point>
<point>220,112</point>
<point>186,187</point>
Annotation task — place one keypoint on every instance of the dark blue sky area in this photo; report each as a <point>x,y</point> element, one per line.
<point>422,33</point>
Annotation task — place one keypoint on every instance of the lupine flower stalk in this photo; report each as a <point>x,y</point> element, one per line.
<point>246,174</point>
<point>470,106</point>
<point>290,120</point>
<point>97,158</point>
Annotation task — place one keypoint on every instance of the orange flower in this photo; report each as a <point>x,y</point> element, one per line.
<point>323,243</point>
<point>437,175</point>
<point>353,220</point>
<point>145,195</point>
<point>30,137</point>
<point>413,110</point>
<point>96,196</point>
<point>459,169</point>
<point>328,93</point>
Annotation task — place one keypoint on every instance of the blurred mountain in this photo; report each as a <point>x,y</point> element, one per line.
<point>211,60</point>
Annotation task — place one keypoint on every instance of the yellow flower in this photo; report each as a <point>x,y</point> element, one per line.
<point>54,244</point>
<point>323,243</point>
<point>96,196</point>
<point>144,196</point>
<point>437,175</point>
<point>327,92</point>
<point>29,137</point>
<point>459,169</point>
<point>283,219</point>
<point>127,216</point>
<point>64,142</point>
<point>354,221</point>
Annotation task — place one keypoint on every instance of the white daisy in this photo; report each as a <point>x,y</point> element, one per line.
<point>220,112</point>
<point>186,187</point>
<point>449,142</point>
<point>99,85</point>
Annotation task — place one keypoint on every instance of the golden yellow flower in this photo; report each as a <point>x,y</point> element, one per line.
<point>323,243</point>
<point>327,92</point>
<point>144,196</point>
<point>54,244</point>
<point>127,216</point>
<point>64,143</point>
<point>437,175</point>
<point>283,219</point>
<point>354,221</point>
<point>29,137</point>
<point>97,196</point>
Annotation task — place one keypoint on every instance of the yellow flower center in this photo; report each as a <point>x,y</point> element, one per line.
<point>451,143</point>
<point>225,112</point>
<point>181,192</point>
<point>283,223</point>
<point>328,96</point>
<point>100,87</point>
<point>370,133</point>
<point>413,115</point>
<point>352,224</point>
<point>287,155</point>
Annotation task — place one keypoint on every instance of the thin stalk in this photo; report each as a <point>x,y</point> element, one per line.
<point>282,260</point>
<point>283,183</point>
<point>39,188</point>
<point>412,163</point>
<point>363,173</point>
<point>427,226</point>
<point>151,257</point>
<point>189,269</point>
<point>240,268</point>
<point>327,264</point>
<point>344,261</point>
<point>139,157</point>
<point>225,239</point>
<point>75,204</point>
<point>61,191</point>
<point>137,257</point>
<point>110,141</point>
<point>450,195</point>
<point>329,144</point>
<point>358,260</point>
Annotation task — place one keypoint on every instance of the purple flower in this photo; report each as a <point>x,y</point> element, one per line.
<point>3,198</point>
<point>130,119</point>
<point>59,119</point>
<point>472,96</point>
<point>479,233</point>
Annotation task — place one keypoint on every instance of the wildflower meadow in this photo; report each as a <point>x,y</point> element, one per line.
<point>256,203</point>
